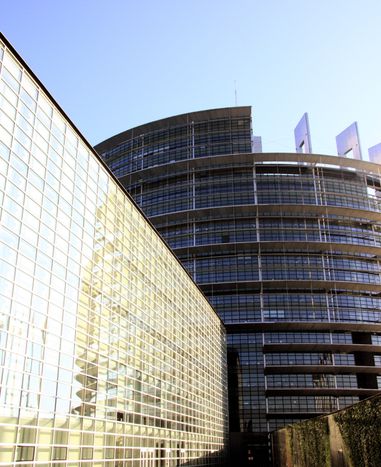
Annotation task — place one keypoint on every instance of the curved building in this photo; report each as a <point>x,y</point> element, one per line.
<point>285,246</point>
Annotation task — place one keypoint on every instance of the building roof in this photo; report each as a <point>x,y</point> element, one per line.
<point>177,120</point>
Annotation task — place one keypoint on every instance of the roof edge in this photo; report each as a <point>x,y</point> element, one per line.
<point>102,163</point>
<point>181,119</point>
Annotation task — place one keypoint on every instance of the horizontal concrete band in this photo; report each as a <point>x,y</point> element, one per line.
<point>296,326</point>
<point>255,210</point>
<point>313,347</point>
<point>326,369</point>
<point>337,392</point>
<point>177,168</point>
<point>303,247</point>
<point>284,285</point>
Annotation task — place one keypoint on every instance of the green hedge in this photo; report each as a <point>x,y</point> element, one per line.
<point>310,443</point>
<point>360,427</point>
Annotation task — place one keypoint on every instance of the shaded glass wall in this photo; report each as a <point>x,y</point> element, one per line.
<point>287,249</point>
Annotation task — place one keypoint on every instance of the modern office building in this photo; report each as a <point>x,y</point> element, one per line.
<point>110,355</point>
<point>285,246</point>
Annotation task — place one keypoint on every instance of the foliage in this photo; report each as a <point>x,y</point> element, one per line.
<point>310,443</point>
<point>360,427</point>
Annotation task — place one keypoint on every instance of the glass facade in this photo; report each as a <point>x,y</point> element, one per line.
<point>287,249</point>
<point>170,143</point>
<point>109,353</point>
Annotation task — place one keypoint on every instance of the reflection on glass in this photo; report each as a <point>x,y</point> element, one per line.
<point>107,349</point>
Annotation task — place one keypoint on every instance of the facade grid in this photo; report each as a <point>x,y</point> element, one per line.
<point>109,353</point>
<point>287,249</point>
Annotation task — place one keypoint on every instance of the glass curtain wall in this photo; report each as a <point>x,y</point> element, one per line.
<point>109,353</point>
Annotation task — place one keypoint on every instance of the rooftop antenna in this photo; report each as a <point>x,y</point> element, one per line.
<point>235,92</point>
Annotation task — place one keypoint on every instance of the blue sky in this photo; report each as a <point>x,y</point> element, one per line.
<point>117,64</point>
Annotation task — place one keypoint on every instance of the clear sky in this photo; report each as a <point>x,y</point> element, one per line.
<point>116,64</point>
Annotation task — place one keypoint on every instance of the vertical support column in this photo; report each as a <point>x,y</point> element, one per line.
<point>142,154</point>
<point>193,206</point>
<point>193,181</point>
<point>255,195</point>
<point>315,185</point>
<point>329,315</point>
<point>192,139</point>
<point>193,190</point>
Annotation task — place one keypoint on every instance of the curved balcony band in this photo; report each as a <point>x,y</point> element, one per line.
<point>319,161</point>
<point>334,369</point>
<point>314,347</point>
<point>302,247</point>
<point>284,284</point>
<point>322,392</point>
<point>255,210</point>
<point>303,326</point>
